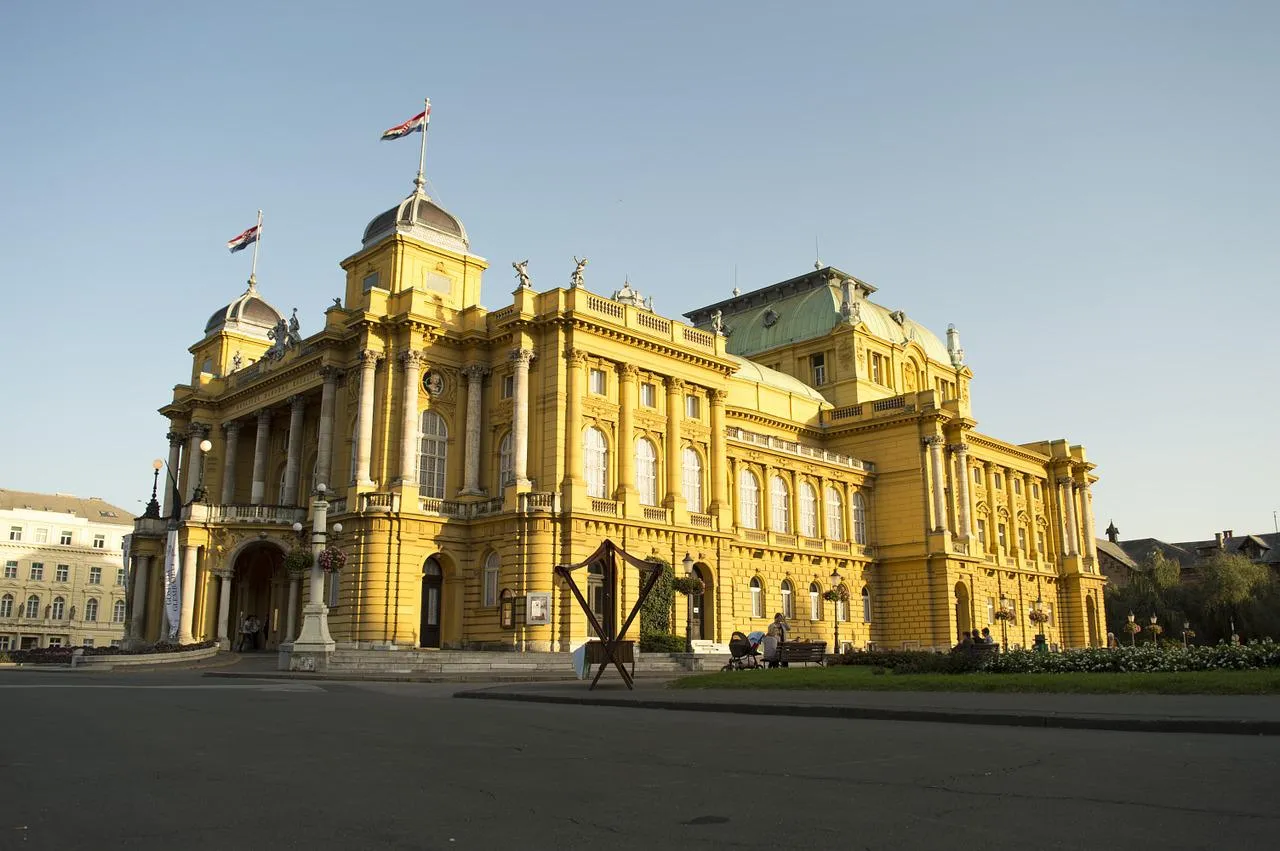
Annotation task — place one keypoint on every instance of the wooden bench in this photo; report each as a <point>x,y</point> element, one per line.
<point>626,653</point>
<point>803,651</point>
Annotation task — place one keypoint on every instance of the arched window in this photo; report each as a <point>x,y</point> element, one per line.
<point>6,606</point>
<point>33,607</point>
<point>505,474</point>
<point>647,471</point>
<point>749,500</point>
<point>866,604</point>
<point>284,473</point>
<point>492,566</point>
<point>808,511</point>
<point>788,600</point>
<point>59,608</point>
<point>779,505</point>
<point>842,604</point>
<point>91,610</point>
<point>859,519</point>
<point>757,598</point>
<point>117,612</point>
<point>691,478</point>
<point>815,602</point>
<point>433,451</point>
<point>596,462</point>
<point>835,515</point>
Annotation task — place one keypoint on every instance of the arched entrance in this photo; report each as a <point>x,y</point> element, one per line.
<point>259,587</point>
<point>432,591</point>
<point>701,617</point>
<point>1091,615</point>
<point>964,620</point>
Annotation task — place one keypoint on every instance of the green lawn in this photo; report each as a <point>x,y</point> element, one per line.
<point>862,678</point>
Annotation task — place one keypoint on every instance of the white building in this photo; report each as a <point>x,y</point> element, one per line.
<point>64,578</point>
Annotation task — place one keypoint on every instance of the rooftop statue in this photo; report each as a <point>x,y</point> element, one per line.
<point>522,272</point>
<point>575,280</point>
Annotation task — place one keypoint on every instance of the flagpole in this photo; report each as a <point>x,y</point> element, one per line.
<point>253,271</point>
<point>422,156</point>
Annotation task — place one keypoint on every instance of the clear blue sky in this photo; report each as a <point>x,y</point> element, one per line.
<point>1088,191</point>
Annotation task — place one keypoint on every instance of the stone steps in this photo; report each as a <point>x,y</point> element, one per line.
<point>490,665</point>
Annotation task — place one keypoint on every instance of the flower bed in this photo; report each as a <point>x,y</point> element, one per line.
<point>62,655</point>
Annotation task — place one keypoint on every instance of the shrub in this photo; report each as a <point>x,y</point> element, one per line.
<point>661,642</point>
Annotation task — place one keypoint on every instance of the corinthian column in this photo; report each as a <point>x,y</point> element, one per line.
<point>475,374</point>
<point>961,451</point>
<point>934,442</point>
<point>259,491</point>
<point>1067,500</point>
<point>230,447</point>
<point>520,358</point>
<point>627,373</point>
<point>716,465</point>
<point>410,366</point>
<point>175,450</point>
<point>324,437</point>
<point>675,398</point>
<point>364,425</point>
<point>224,608</point>
<point>1086,516</point>
<point>297,408</point>
<point>199,431</point>
<point>573,471</point>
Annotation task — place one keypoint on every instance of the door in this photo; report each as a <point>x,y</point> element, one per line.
<point>698,611</point>
<point>432,586</point>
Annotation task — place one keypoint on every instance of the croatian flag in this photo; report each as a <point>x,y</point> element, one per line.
<point>244,240</point>
<point>417,124</point>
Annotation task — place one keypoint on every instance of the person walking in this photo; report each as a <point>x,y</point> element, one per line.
<point>249,633</point>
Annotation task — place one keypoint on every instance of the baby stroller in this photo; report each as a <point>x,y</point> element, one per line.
<point>743,653</point>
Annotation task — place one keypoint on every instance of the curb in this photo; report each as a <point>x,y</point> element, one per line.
<point>458,679</point>
<point>1066,722</point>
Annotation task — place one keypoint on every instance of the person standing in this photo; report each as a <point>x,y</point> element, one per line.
<point>780,624</point>
<point>249,633</point>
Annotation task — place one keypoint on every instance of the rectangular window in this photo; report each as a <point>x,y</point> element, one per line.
<point>55,641</point>
<point>99,542</point>
<point>1000,534</point>
<point>37,571</point>
<point>877,368</point>
<point>977,475</point>
<point>648,395</point>
<point>991,610</point>
<point>1022,539</point>
<point>370,281</point>
<point>334,582</point>
<point>1017,486</point>
<point>508,386</point>
<point>1035,490</point>
<point>999,480</point>
<point>88,642</point>
<point>95,576</point>
<point>982,532</point>
<point>120,576</point>
<point>10,570</point>
<point>65,538</point>
<point>818,365</point>
<point>115,642</point>
<point>15,533</point>
<point>6,643</point>
<point>62,573</point>
<point>597,381</point>
<point>1049,609</point>
<point>692,407</point>
<point>1040,543</point>
<point>42,535</point>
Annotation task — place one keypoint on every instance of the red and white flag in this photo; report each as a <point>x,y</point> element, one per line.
<point>417,124</point>
<point>244,240</point>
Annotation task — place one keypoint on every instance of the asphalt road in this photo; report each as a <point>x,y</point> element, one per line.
<point>173,761</point>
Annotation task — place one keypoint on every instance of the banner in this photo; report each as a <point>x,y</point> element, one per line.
<point>172,590</point>
<point>126,545</point>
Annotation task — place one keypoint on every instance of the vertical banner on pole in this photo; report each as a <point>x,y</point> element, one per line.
<point>172,590</point>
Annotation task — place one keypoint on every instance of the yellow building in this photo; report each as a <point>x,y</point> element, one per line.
<point>783,440</point>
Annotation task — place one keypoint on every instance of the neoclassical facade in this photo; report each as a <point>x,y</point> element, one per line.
<point>782,441</point>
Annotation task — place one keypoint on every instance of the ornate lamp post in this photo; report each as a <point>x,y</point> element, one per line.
<point>1156,629</point>
<point>198,494</point>
<point>688,605</point>
<point>1186,633</point>
<point>836,578</point>
<point>315,637</point>
<point>153,507</point>
<point>1133,629</point>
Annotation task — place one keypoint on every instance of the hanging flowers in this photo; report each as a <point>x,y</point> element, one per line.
<point>839,594</point>
<point>332,559</point>
<point>1133,628</point>
<point>1038,616</point>
<point>298,560</point>
<point>1004,614</point>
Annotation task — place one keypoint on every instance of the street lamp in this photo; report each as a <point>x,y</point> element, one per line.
<point>315,637</point>
<point>1186,625</point>
<point>688,605</point>
<point>1133,630</point>
<point>1155,630</point>
<point>198,494</point>
<point>836,578</point>
<point>153,507</point>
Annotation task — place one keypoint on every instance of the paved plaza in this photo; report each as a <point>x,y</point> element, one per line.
<point>175,759</point>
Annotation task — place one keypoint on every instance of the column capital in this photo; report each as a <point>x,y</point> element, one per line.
<point>330,373</point>
<point>933,440</point>
<point>475,371</point>
<point>232,427</point>
<point>368,358</point>
<point>576,357</point>
<point>409,358</point>
<point>1064,480</point>
<point>675,384</point>
<point>297,401</point>
<point>264,415</point>
<point>718,396</point>
<point>628,371</point>
<point>959,448</point>
<point>222,572</point>
<point>175,438</point>
<point>200,430</point>
<point>522,357</point>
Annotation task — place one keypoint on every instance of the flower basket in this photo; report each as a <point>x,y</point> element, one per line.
<point>1037,616</point>
<point>1156,628</point>
<point>1003,615</point>
<point>298,560</point>
<point>1133,628</point>
<point>836,595</point>
<point>332,559</point>
<point>687,585</point>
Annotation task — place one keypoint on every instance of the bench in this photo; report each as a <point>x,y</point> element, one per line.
<point>625,653</point>
<point>977,649</point>
<point>803,651</point>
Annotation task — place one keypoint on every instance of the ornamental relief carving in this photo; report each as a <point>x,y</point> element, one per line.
<point>649,421</point>
<point>599,407</point>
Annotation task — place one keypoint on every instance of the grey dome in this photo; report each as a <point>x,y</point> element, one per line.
<point>249,314</point>
<point>422,219</point>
